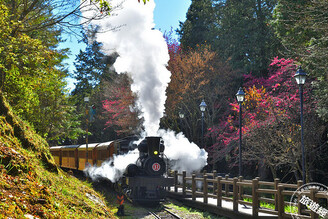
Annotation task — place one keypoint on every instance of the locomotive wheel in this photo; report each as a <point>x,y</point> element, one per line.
<point>154,166</point>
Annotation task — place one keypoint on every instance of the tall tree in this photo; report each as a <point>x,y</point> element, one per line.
<point>271,128</point>
<point>246,37</point>
<point>120,111</point>
<point>109,93</point>
<point>32,76</point>
<point>197,74</point>
<point>239,31</point>
<point>90,66</point>
<point>92,73</point>
<point>302,27</point>
<point>200,25</point>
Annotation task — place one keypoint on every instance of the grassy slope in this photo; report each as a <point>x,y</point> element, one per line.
<point>30,182</point>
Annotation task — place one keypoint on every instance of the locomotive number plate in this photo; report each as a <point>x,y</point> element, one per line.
<point>156,166</point>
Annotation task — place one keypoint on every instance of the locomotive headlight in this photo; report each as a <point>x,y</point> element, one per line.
<point>155,152</point>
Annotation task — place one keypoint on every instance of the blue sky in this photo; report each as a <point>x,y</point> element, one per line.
<point>167,15</point>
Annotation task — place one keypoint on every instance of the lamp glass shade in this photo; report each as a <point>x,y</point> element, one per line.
<point>86,99</point>
<point>300,76</point>
<point>202,106</point>
<point>181,115</point>
<point>240,95</point>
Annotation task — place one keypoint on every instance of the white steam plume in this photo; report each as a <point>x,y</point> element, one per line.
<point>143,54</point>
<point>109,170</point>
<point>184,155</point>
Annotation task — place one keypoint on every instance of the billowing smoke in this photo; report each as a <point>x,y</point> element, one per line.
<point>183,154</point>
<point>109,170</point>
<point>143,54</point>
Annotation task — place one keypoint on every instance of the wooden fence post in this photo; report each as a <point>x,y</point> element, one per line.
<point>255,203</point>
<point>299,204</point>
<point>219,192</point>
<point>241,190</point>
<point>176,181</point>
<point>205,189</point>
<point>226,186</point>
<point>215,174</point>
<point>276,182</point>
<point>235,194</point>
<point>184,183</point>
<point>313,191</point>
<point>193,186</point>
<point>281,203</point>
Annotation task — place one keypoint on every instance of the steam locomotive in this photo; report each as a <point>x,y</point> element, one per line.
<point>143,182</point>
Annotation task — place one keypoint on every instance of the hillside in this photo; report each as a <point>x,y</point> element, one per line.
<point>31,185</point>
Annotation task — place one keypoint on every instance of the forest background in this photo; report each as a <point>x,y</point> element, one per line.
<point>222,45</point>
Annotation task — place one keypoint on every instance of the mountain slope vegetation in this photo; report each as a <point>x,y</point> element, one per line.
<point>31,185</point>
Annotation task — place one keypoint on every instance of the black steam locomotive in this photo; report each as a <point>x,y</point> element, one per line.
<point>146,180</point>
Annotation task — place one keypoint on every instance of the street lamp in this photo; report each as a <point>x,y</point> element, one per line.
<point>202,107</point>
<point>181,115</point>
<point>300,77</point>
<point>240,95</point>
<point>86,100</point>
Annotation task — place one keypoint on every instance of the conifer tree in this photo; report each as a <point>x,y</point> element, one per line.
<point>240,31</point>
<point>302,26</point>
<point>245,35</point>
<point>200,25</point>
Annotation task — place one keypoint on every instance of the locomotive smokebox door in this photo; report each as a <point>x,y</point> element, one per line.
<point>153,146</point>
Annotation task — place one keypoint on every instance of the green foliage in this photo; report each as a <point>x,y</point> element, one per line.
<point>90,66</point>
<point>200,26</point>
<point>15,131</point>
<point>104,87</point>
<point>92,73</point>
<point>104,5</point>
<point>302,28</point>
<point>192,212</point>
<point>288,208</point>
<point>239,31</point>
<point>31,74</point>
<point>30,183</point>
<point>245,36</point>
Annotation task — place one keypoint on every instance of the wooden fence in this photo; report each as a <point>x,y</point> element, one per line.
<point>252,193</point>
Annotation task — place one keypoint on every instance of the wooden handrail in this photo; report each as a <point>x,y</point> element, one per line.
<point>234,190</point>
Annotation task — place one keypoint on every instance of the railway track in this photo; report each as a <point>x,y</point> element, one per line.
<point>160,212</point>
<point>164,214</point>
<point>171,213</point>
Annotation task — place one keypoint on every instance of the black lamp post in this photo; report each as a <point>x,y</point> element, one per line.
<point>202,107</point>
<point>300,77</point>
<point>86,100</point>
<point>240,95</point>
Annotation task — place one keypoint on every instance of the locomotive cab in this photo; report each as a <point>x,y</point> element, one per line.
<point>155,146</point>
